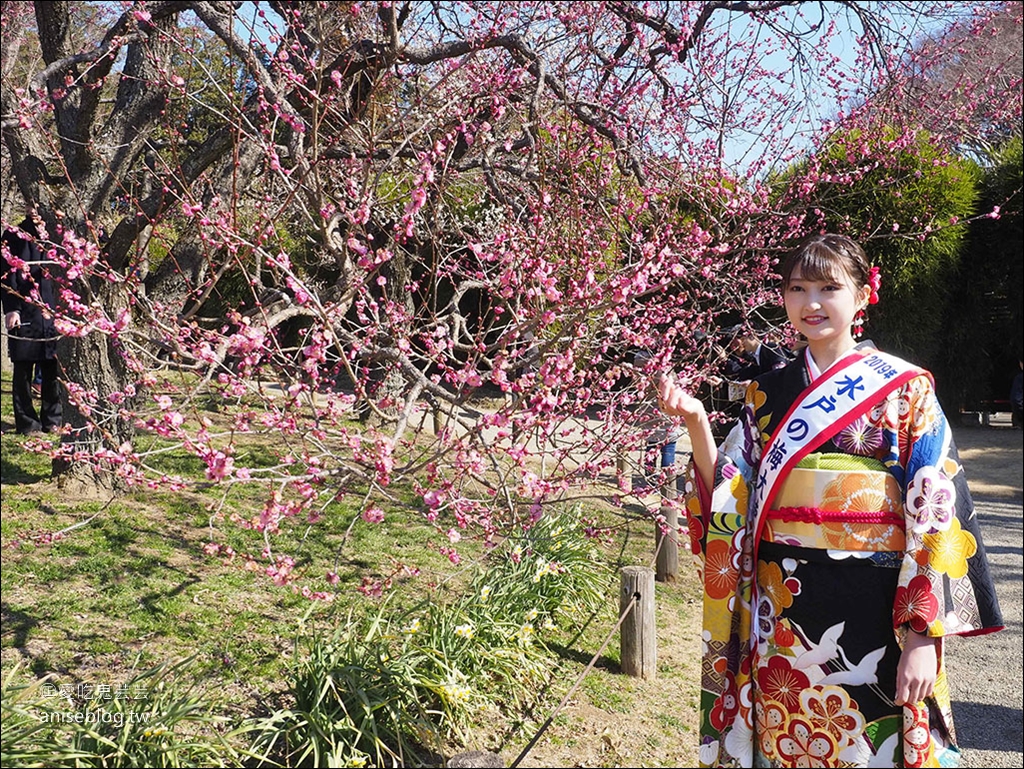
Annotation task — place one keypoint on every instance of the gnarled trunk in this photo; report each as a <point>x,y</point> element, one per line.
<point>94,363</point>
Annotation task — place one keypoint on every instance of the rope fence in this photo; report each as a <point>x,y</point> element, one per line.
<point>624,612</point>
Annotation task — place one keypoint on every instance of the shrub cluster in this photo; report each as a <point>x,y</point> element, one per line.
<point>385,690</point>
<point>392,689</point>
<point>159,722</point>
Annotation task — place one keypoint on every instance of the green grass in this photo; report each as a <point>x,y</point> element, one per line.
<point>607,693</point>
<point>668,721</point>
<point>17,466</point>
<point>129,587</point>
<point>122,583</point>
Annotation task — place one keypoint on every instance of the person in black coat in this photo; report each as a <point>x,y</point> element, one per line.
<point>31,335</point>
<point>752,357</point>
<point>1017,396</point>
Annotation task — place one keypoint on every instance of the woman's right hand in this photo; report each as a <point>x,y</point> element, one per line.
<point>917,669</point>
<point>676,401</point>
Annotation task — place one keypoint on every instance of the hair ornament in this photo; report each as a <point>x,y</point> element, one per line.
<point>875,282</point>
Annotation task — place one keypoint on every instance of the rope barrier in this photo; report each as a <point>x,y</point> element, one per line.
<point>593,660</point>
<point>568,695</point>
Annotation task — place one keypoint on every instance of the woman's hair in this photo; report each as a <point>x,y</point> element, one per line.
<point>827,257</point>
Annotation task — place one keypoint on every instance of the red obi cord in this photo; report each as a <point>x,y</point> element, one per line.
<point>817,515</point>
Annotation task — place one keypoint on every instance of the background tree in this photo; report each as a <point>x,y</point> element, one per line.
<point>337,207</point>
<point>961,80</point>
<point>963,84</point>
<point>983,324</point>
<point>905,196</point>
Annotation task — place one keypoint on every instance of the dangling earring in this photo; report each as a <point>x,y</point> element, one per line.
<point>858,324</point>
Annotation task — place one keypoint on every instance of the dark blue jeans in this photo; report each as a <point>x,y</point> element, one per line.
<point>668,458</point>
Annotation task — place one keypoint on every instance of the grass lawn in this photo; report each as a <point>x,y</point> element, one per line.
<point>128,586</point>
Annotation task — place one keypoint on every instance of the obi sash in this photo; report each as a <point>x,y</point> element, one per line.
<point>846,503</point>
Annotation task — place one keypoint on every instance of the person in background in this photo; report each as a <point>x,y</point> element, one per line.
<point>751,358</point>
<point>662,434</point>
<point>743,357</point>
<point>28,297</point>
<point>37,381</point>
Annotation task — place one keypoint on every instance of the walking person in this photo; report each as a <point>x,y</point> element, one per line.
<point>28,300</point>
<point>838,545</point>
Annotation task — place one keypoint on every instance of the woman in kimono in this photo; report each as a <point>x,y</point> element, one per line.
<point>837,544</point>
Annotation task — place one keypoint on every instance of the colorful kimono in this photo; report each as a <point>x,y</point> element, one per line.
<point>840,521</point>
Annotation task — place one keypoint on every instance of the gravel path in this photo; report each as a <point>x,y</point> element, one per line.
<point>987,672</point>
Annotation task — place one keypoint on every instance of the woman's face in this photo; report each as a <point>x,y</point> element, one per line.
<point>823,310</point>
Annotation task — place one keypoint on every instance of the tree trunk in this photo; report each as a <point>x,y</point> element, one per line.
<point>96,364</point>
<point>386,385</point>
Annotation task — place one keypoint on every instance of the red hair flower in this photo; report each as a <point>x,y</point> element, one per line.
<point>875,281</point>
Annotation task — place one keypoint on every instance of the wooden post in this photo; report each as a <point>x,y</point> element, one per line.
<point>625,480</point>
<point>440,420</point>
<point>637,640</point>
<point>667,542</point>
<point>668,486</point>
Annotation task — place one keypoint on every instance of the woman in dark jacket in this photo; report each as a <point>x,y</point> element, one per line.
<point>31,335</point>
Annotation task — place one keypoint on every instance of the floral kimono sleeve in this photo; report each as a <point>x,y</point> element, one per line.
<point>944,583</point>
<point>721,547</point>
<point>738,456</point>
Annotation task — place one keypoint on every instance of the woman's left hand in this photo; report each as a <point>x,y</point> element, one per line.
<point>917,669</point>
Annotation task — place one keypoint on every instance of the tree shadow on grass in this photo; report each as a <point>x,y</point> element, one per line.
<point>151,600</point>
<point>19,628</point>
<point>604,662</point>
<point>17,625</point>
<point>16,475</point>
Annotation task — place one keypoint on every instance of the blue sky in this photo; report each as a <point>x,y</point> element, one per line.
<point>745,142</point>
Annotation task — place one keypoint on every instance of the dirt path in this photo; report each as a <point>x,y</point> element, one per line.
<point>992,459</point>
<point>987,672</point>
